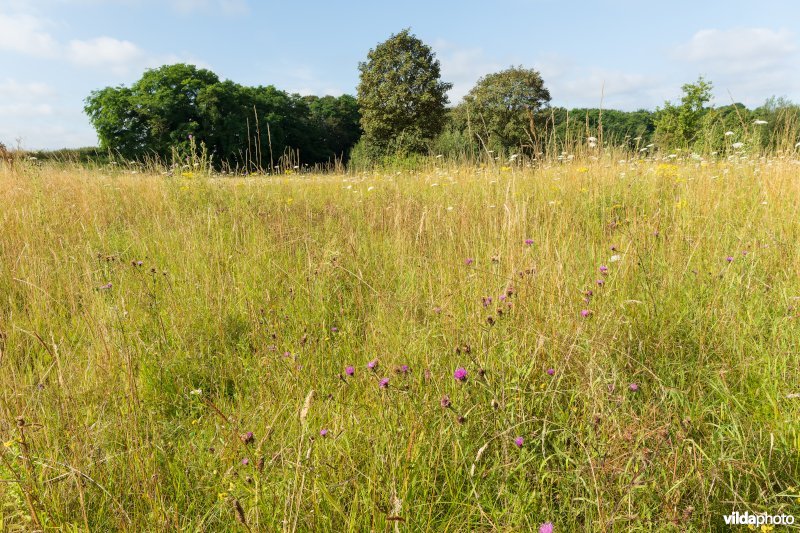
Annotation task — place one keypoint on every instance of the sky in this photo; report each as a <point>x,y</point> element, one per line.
<point>624,54</point>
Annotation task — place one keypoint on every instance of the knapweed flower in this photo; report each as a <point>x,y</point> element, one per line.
<point>323,432</point>
<point>247,438</point>
<point>601,282</point>
<point>585,313</point>
<point>334,329</point>
<point>603,269</point>
<point>403,369</point>
<point>245,461</point>
<point>384,384</point>
<point>547,527</point>
<point>372,365</point>
<point>445,401</point>
<point>106,287</point>
<point>633,387</point>
<point>551,371</point>
<point>460,374</point>
<point>519,441</point>
<point>529,242</point>
<point>350,371</point>
<point>729,259</point>
<point>468,261</point>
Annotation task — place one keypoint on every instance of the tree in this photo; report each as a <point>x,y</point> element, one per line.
<point>336,122</point>
<point>504,105</point>
<point>679,125</point>
<point>400,94</point>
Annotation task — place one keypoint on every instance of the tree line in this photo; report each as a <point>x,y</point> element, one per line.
<point>402,109</point>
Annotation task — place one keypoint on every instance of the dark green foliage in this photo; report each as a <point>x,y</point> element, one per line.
<point>502,107</point>
<point>175,107</point>
<point>401,95</point>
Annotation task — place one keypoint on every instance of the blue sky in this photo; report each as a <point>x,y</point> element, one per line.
<point>54,52</point>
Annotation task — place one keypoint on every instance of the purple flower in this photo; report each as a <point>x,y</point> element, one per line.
<point>334,329</point>
<point>551,371</point>
<point>323,432</point>
<point>486,300</point>
<point>529,242</point>
<point>248,437</point>
<point>603,269</point>
<point>502,297</point>
<point>633,387</point>
<point>404,369</point>
<point>468,261</point>
<point>106,287</point>
<point>245,461</point>
<point>547,527</point>
<point>372,365</point>
<point>384,384</point>
<point>460,374</point>
<point>585,313</point>
<point>445,401</point>
<point>350,371</point>
<point>729,259</point>
<point>437,309</point>
<point>519,441</point>
<point>601,282</point>
<point>744,252</point>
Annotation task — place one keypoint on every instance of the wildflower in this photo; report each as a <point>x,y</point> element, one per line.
<point>758,122</point>
<point>547,527</point>
<point>247,438</point>
<point>245,461</point>
<point>468,261</point>
<point>106,287</point>
<point>437,309</point>
<point>460,374</point>
<point>404,369</point>
<point>601,282</point>
<point>551,371</point>
<point>519,441</point>
<point>615,258</point>
<point>196,392</point>
<point>334,329</point>
<point>737,145</point>
<point>585,313</point>
<point>350,371</point>
<point>603,269</point>
<point>633,387</point>
<point>529,242</point>
<point>323,432</point>
<point>372,365</point>
<point>445,401</point>
<point>729,259</point>
<point>486,300</point>
<point>728,133</point>
<point>384,384</point>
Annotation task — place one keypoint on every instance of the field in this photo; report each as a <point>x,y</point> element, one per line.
<point>602,345</point>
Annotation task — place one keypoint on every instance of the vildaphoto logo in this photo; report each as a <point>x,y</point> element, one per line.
<point>746,519</point>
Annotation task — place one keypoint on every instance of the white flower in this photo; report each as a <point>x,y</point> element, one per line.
<point>649,145</point>
<point>614,258</point>
<point>759,122</point>
<point>737,145</point>
<point>439,156</point>
<point>196,392</point>
<point>592,139</point>
<point>728,133</point>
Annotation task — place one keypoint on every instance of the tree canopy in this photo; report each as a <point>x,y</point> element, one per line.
<point>401,95</point>
<point>244,127</point>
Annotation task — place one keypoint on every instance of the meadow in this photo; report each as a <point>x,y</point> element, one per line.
<point>597,344</point>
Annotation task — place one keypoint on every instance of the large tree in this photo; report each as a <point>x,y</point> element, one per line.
<point>401,95</point>
<point>679,126</point>
<point>504,105</point>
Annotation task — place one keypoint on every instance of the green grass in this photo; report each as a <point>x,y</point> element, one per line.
<point>243,280</point>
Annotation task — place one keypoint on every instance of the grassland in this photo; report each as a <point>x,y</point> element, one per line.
<point>636,323</point>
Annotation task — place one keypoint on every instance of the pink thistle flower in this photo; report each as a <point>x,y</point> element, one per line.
<point>547,527</point>
<point>372,365</point>
<point>350,371</point>
<point>460,374</point>
<point>529,242</point>
<point>323,432</point>
<point>519,441</point>
<point>585,313</point>
<point>551,371</point>
<point>468,261</point>
<point>633,387</point>
<point>384,384</point>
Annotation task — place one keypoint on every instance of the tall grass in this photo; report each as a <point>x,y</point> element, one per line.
<point>149,323</point>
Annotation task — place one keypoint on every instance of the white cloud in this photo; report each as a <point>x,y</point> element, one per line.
<point>26,34</point>
<point>739,50</point>
<point>747,64</point>
<point>104,52</point>
<point>231,7</point>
